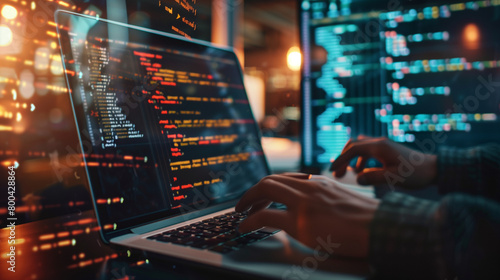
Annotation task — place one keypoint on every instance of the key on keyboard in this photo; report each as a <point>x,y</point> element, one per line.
<point>218,234</point>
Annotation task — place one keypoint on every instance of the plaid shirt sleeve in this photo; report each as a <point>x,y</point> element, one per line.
<point>475,171</point>
<point>405,239</point>
<point>456,238</point>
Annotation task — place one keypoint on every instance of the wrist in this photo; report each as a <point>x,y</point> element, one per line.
<point>432,169</point>
<point>365,232</point>
<point>404,236</point>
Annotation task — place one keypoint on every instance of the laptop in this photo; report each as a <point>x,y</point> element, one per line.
<point>170,144</point>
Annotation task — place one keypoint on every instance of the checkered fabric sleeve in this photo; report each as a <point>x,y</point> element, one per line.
<point>473,171</point>
<point>405,239</point>
<point>456,238</point>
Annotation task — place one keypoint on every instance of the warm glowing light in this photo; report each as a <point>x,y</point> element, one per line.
<point>33,5</point>
<point>5,36</point>
<point>6,163</point>
<point>51,33</point>
<point>56,66</point>
<point>471,32</point>
<point>294,59</point>
<point>47,236</point>
<point>64,4</point>
<point>42,59</point>
<point>6,128</point>
<point>64,243</point>
<point>471,36</point>
<point>27,87</point>
<point>9,12</point>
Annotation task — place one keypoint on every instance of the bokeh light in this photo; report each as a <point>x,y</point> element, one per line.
<point>471,33</point>
<point>472,36</point>
<point>294,59</point>
<point>56,67</point>
<point>42,59</point>
<point>5,36</point>
<point>26,85</point>
<point>9,12</point>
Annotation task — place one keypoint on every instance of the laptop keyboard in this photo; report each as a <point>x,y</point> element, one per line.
<point>218,234</point>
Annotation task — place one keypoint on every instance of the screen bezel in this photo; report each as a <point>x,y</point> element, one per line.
<point>61,18</point>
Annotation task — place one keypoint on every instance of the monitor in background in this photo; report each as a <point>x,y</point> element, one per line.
<point>423,73</point>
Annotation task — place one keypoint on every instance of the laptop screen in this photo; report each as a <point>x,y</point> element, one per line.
<point>165,123</point>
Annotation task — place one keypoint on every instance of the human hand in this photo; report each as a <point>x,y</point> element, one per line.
<point>318,212</point>
<point>402,166</point>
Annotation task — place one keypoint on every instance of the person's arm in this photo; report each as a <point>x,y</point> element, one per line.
<point>403,237</point>
<point>475,170</point>
<point>457,238</point>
